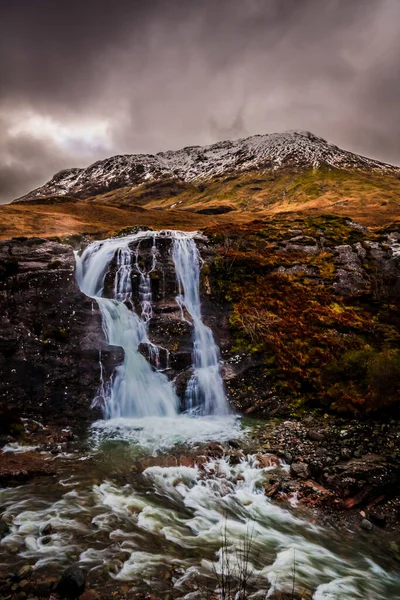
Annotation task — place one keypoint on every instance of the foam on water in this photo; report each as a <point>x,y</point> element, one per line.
<point>17,448</point>
<point>177,518</point>
<point>158,434</point>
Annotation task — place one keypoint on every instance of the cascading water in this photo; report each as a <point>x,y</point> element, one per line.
<point>136,388</point>
<point>173,531</point>
<point>205,390</point>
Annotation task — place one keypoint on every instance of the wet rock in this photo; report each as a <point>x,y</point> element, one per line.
<point>366,525</point>
<point>300,470</point>
<point>378,518</point>
<point>24,572</point>
<point>315,436</point>
<point>23,466</point>
<point>287,457</point>
<point>4,529</point>
<point>71,585</point>
<point>181,381</point>
<point>180,361</point>
<point>214,449</point>
<point>234,444</point>
<point>47,529</point>
<point>90,595</point>
<point>44,587</point>
<point>46,367</point>
<point>272,488</point>
<point>268,460</point>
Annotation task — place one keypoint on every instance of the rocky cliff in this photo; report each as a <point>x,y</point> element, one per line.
<point>52,344</point>
<point>299,310</point>
<point>50,334</point>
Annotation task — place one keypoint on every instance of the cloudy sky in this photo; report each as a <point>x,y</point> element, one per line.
<point>85,79</point>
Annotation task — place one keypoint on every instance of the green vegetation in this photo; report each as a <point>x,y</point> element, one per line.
<point>368,378</point>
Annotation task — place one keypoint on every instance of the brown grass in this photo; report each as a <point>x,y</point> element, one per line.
<point>372,200</point>
<point>41,220</point>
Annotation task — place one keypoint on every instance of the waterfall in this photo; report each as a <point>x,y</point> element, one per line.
<point>136,388</point>
<point>205,391</point>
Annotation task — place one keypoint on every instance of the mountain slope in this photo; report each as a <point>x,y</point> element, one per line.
<point>263,153</point>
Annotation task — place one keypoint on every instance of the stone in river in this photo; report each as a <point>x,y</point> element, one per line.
<point>72,583</point>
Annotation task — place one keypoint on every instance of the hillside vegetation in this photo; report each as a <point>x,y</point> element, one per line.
<point>321,344</point>
<point>346,192</point>
<point>371,199</point>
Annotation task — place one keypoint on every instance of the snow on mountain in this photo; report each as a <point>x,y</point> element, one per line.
<point>271,151</point>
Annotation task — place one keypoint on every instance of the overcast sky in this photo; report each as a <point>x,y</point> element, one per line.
<point>85,79</point>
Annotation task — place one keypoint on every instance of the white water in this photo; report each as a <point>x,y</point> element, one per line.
<point>155,435</point>
<point>177,518</point>
<point>205,391</point>
<point>189,521</point>
<point>136,389</point>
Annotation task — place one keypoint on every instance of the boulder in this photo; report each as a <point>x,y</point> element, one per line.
<point>71,585</point>
<point>300,470</point>
<point>366,525</point>
<point>315,436</point>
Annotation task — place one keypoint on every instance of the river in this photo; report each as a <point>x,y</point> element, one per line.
<point>151,499</point>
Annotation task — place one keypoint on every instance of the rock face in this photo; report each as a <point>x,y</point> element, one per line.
<point>51,337</point>
<point>368,267</point>
<point>50,333</point>
<point>272,151</point>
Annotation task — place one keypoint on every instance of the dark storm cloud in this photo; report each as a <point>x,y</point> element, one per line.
<point>80,80</point>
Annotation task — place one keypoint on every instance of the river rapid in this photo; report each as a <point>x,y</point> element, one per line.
<point>165,496</point>
<point>155,512</point>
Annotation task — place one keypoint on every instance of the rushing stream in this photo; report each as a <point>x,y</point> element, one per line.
<point>145,505</point>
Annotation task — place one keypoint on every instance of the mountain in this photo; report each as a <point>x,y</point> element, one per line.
<point>260,177</point>
<point>271,152</point>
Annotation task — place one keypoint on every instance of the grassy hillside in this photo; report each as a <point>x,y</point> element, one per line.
<point>356,194</point>
<point>47,220</point>
<point>373,200</point>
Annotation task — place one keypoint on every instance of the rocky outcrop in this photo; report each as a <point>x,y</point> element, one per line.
<point>356,463</point>
<point>364,267</point>
<point>368,267</point>
<point>50,333</point>
<point>350,276</point>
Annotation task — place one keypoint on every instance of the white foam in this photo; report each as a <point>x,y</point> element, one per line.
<point>178,518</point>
<point>17,448</point>
<point>157,434</point>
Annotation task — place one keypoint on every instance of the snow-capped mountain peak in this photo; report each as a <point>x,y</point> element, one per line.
<point>296,149</point>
